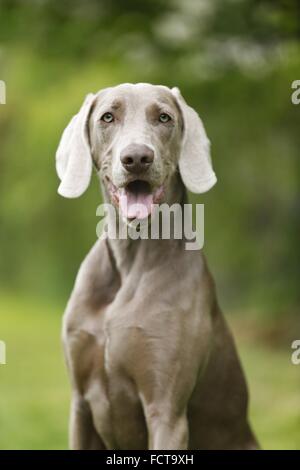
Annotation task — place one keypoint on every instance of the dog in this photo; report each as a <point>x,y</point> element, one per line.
<point>151,360</point>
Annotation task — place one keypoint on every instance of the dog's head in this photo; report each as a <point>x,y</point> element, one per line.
<point>137,136</point>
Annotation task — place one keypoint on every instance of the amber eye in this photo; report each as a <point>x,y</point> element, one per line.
<point>164,117</point>
<point>107,117</point>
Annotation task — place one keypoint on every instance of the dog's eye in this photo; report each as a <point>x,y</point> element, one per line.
<point>107,117</point>
<point>164,117</point>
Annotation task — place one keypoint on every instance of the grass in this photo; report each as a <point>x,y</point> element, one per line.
<point>34,389</point>
<point>274,396</point>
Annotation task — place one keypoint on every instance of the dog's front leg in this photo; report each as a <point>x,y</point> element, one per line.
<point>82,434</point>
<point>166,431</point>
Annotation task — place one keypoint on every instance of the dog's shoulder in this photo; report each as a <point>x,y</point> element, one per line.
<point>97,280</point>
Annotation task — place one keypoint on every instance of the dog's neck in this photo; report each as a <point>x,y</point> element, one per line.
<point>128,253</point>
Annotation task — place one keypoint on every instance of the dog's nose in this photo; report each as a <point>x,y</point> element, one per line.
<point>137,158</point>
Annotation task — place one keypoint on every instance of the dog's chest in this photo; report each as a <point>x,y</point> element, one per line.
<point>125,349</point>
<point>132,356</point>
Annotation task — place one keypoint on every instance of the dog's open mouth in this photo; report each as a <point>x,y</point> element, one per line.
<point>136,199</point>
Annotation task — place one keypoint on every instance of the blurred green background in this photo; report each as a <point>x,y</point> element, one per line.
<point>235,61</point>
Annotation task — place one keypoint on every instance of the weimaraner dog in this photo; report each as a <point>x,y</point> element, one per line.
<point>151,360</point>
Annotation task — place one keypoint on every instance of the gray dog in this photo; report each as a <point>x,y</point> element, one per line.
<point>151,360</point>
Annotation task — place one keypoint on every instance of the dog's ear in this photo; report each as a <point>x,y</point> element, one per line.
<point>194,163</point>
<point>73,156</point>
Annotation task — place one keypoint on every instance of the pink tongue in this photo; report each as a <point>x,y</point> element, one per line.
<point>135,205</point>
